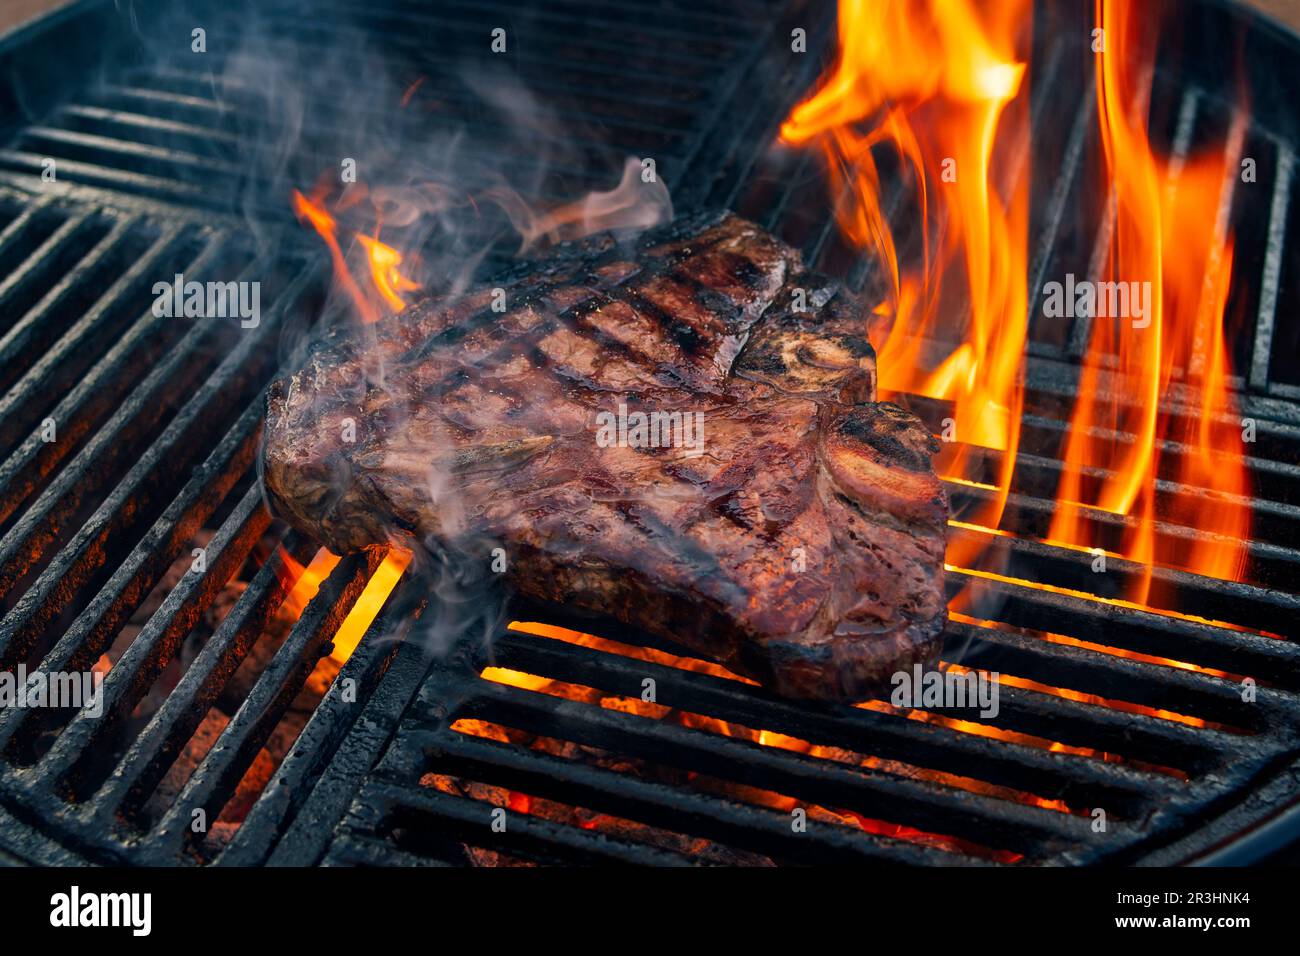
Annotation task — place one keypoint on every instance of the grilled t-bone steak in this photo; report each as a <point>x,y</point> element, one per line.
<point>803,547</point>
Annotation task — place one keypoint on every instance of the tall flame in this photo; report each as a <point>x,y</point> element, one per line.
<point>1170,231</point>
<point>941,82</point>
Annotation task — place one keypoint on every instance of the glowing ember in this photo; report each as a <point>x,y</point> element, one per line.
<point>767,738</point>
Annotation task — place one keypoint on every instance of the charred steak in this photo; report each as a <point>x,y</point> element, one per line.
<point>685,438</point>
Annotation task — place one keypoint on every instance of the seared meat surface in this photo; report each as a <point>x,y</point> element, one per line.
<point>798,540</point>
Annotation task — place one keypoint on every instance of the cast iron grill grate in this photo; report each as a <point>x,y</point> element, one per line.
<point>159,425</point>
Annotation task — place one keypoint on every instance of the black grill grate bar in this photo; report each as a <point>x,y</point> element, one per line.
<point>219,191</point>
<point>99,388</point>
<point>754,132</point>
<point>163,100</point>
<point>382,807</point>
<point>20,228</point>
<point>544,28</point>
<point>156,747</point>
<point>156,147</point>
<point>94,629</point>
<point>878,795</point>
<point>221,396</point>
<point>23,543</point>
<point>21,164</point>
<point>615,120</point>
<point>590,103</point>
<point>1271,277</point>
<point>1036,476</point>
<point>142,128</point>
<point>1189,107</point>
<point>1185,690</point>
<point>599,56</point>
<point>1152,744</point>
<point>26,539</point>
<point>716,116</point>
<point>1049,403</point>
<point>1270,480</point>
<point>1133,629</point>
<point>648,95</point>
<point>671,808</point>
<point>307,838</point>
<point>695,25</point>
<point>1071,167</point>
<point>1149,739</point>
<point>214,780</point>
<point>711,17</point>
<point>578,104</point>
<point>1003,763</point>
<point>1184,592</point>
<point>896,188</point>
<point>776,212</point>
<point>133,674</point>
<point>610,79</point>
<point>356,850</point>
<point>318,741</point>
<point>34,331</point>
<point>105,150</point>
<point>1146,738</point>
<point>1050,389</point>
<point>47,260</point>
<point>122,164</point>
<point>339,128</point>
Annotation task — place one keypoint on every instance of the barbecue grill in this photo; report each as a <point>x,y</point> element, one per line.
<point>160,168</point>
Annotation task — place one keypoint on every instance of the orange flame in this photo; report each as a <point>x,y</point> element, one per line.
<point>369,603</point>
<point>1170,233</point>
<point>387,279</point>
<point>940,81</point>
<point>305,582</point>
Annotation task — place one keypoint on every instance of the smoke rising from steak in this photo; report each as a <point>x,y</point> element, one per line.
<point>804,547</point>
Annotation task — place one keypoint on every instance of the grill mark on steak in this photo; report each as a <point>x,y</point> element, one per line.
<point>803,547</point>
<point>682,335</point>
